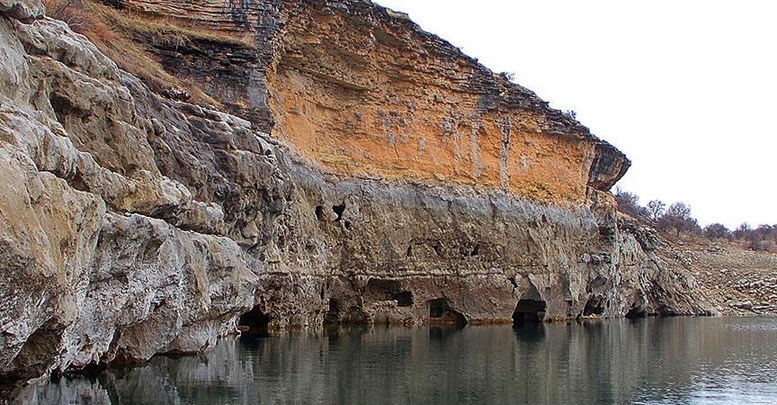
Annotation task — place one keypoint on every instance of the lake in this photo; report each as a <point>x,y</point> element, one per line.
<point>647,361</point>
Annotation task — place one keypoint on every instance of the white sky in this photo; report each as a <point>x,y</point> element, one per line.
<point>685,88</point>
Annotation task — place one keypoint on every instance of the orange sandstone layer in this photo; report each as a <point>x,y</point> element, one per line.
<point>362,91</point>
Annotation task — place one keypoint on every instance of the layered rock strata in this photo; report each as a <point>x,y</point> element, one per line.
<point>390,191</point>
<point>363,91</point>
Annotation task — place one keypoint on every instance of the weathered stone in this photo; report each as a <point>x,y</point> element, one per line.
<point>81,281</point>
<point>391,100</point>
<point>22,10</point>
<point>403,183</point>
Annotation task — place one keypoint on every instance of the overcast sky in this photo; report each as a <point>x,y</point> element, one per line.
<point>685,88</point>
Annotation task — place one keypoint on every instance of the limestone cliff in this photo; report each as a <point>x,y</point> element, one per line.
<point>363,91</point>
<point>378,175</point>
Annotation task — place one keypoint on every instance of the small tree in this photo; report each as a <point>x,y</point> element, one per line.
<point>679,210</point>
<point>678,217</point>
<point>628,203</point>
<point>761,238</point>
<point>742,230</point>
<point>656,209</point>
<point>765,231</point>
<point>717,231</point>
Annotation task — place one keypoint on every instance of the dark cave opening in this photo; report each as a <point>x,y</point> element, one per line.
<point>404,299</point>
<point>254,322</point>
<point>529,311</point>
<point>379,289</point>
<point>320,213</point>
<point>386,290</point>
<point>530,307</point>
<point>436,308</point>
<point>339,210</point>
<point>333,313</point>
<point>636,312</point>
<point>593,306</point>
<point>64,107</point>
<point>440,312</point>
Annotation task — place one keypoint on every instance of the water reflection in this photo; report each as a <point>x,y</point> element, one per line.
<point>653,361</point>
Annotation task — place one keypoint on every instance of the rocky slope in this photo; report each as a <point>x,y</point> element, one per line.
<point>738,281</point>
<point>401,183</point>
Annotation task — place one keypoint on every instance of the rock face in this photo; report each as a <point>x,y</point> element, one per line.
<point>367,93</point>
<point>103,257</point>
<point>363,91</point>
<point>402,183</point>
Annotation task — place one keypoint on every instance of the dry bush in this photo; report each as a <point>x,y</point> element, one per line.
<point>89,20</point>
<point>79,18</point>
<point>164,28</point>
<point>119,35</point>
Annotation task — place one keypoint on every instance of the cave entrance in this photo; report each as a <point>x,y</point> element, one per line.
<point>594,306</point>
<point>254,322</point>
<point>404,299</point>
<point>339,210</point>
<point>530,308</point>
<point>529,311</point>
<point>333,313</point>
<point>441,313</point>
<point>436,308</point>
<point>636,312</point>
<point>387,290</point>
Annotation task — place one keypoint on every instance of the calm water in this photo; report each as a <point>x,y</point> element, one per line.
<point>653,361</point>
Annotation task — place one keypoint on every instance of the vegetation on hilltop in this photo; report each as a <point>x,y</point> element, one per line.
<point>677,219</point>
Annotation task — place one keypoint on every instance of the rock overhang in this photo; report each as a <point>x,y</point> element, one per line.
<point>363,91</point>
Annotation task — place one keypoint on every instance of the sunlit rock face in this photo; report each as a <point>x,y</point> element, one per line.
<point>377,175</point>
<point>363,91</point>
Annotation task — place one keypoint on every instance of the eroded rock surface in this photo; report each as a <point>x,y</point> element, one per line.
<point>406,192</point>
<point>363,91</point>
<point>103,257</point>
